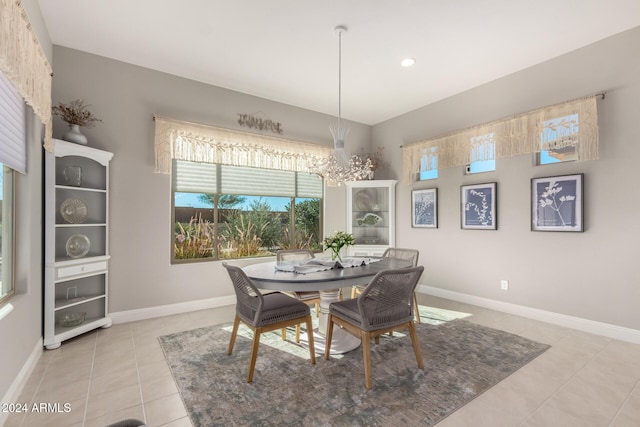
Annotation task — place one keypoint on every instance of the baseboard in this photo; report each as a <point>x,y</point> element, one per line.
<point>586,325</point>
<point>167,310</point>
<point>21,379</point>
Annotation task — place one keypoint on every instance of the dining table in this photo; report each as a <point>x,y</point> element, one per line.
<point>328,282</point>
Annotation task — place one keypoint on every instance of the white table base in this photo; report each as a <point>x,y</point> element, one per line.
<point>341,340</point>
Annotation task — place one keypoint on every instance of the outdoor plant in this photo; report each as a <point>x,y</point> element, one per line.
<point>194,239</point>
<point>336,242</point>
<point>75,113</point>
<point>302,240</point>
<point>243,238</point>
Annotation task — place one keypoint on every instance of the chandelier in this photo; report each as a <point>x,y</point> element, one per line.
<point>338,167</point>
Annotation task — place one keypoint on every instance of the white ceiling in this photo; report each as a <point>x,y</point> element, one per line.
<point>286,50</point>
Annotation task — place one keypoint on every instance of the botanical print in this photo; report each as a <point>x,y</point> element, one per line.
<point>557,203</point>
<point>424,208</point>
<point>478,206</point>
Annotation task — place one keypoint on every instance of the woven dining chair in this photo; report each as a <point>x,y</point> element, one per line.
<point>385,305</point>
<point>401,253</point>
<point>264,313</point>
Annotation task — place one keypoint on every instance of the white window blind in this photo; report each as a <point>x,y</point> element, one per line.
<point>257,182</point>
<point>193,177</point>
<point>308,185</point>
<point>13,152</point>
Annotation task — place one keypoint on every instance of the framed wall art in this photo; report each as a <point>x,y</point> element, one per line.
<point>556,203</point>
<point>478,206</point>
<point>424,208</point>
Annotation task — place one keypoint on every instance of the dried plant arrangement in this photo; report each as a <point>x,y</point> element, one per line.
<point>76,113</point>
<point>377,159</point>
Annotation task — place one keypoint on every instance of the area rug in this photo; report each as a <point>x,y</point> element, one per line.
<point>461,360</point>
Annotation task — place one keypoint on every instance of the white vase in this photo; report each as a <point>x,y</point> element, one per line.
<point>74,135</point>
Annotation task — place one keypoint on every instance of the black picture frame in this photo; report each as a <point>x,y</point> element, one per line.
<point>478,207</point>
<point>424,208</point>
<point>557,203</point>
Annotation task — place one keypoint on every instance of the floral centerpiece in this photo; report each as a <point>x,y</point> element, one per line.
<point>336,242</point>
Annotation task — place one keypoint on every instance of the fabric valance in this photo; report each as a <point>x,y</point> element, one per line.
<point>24,64</point>
<point>572,124</point>
<point>194,142</point>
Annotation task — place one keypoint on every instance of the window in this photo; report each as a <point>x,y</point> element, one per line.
<point>483,154</point>
<point>6,236</point>
<point>12,158</point>
<point>429,164</point>
<point>558,140</point>
<point>223,211</point>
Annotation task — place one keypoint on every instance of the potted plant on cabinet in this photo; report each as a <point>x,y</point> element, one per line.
<point>76,115</point>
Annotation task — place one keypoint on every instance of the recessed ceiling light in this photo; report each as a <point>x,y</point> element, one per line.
<point>408,62</point>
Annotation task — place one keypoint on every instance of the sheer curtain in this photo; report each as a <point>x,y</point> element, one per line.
<point>512,136</point>
<point>23,62</point>
<point>180,140</point>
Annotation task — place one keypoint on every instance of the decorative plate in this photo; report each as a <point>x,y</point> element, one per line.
<point>73,211</point>
<point>369,220</point>
<point>78,246</point>
<point>363,200</point>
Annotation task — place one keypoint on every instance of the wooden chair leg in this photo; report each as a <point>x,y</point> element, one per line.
<point>415,308</point>
<point>234,332</point>
<point>366,352</point>
<point>312,350</point>
<point>284,334</point>
<point>317,309</point>
<point>254,353</point>
<point>353,292</point>
<point>329,334</point>
<point>416,344</point>
<point>297,334</point>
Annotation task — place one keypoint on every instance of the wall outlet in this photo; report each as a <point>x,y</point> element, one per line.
<point>504,285</point>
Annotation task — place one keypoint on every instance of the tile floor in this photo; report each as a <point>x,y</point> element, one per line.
<point>120,372</point>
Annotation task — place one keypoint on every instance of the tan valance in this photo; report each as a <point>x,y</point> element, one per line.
<point>194,142</point>
<point>24,64</point>
<point>571,124</point>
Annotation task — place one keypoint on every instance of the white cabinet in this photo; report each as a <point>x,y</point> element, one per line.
<point>371,216</point>
<point>76,256</point>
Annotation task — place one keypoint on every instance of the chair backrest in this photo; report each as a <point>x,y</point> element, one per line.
<point>249,299</point>
<point>293,255</point>
<point>388,298</point>
<point>402,253</point>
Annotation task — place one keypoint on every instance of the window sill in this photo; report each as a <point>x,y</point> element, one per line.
<point>5,310</point>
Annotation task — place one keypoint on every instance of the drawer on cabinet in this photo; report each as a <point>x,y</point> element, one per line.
<point>75,270</point>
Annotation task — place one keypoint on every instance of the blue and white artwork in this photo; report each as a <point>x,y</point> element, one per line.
<point>424,204</point>
<point>479,206</point>
<point>557,203</point>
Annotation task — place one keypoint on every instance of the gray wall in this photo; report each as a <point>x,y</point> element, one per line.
<point>591,275</point>
<point>126,97</point>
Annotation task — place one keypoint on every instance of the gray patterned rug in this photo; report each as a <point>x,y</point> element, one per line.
<point>461,360</point>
